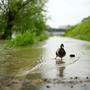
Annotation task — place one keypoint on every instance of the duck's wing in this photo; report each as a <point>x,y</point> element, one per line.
<point>57,52</point>
<point>62,52</point>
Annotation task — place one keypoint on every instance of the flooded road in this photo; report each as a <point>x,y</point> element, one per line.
<point>35,68</point>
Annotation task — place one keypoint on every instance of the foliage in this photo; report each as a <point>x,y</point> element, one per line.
<point>26,39</point>
<point>42,37</point>
<point>22,16</point>
<point>81,31</point>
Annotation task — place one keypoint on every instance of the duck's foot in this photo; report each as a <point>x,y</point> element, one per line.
<point>59,62</point>
<point>62,61</point>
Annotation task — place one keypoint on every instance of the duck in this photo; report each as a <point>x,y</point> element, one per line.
<point>60,52</point>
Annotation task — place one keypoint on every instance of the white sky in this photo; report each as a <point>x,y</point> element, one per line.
<point>67,12</point>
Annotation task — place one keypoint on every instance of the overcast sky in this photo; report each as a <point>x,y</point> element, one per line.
<point>67,12</point>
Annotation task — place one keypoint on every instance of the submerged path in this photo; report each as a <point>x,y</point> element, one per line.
<point>73,66</point>
<point>74,74</point>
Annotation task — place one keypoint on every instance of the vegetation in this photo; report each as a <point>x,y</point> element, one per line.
<point>26,39</point>
<point>81,30</point>
<point>22,16</point>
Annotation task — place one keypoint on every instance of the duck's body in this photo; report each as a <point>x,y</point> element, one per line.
<point>61,52</point>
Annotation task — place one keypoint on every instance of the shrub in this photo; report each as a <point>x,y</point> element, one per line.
<point>26,38</point>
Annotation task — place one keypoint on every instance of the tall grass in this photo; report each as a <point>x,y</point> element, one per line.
<point>26,38</point>
<point>80,31</point>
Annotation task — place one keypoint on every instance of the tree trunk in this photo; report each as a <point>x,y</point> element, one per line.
<point>9,24</point>
<point>7,32</point>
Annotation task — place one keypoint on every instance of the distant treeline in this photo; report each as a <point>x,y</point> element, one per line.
<point>56,29</point>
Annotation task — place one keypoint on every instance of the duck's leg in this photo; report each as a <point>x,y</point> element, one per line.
<point>61,59</point>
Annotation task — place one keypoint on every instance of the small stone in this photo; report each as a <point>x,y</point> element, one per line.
<point>14,81</point>
<point>87,77</point>
<point>85,85</point>
<point>71,77</point>
<point>63,81</point>
<point>48,86</point>
<point>71,86</point>
<point>45,80</point>
<point>76,77</point>
<point>80,81</point>
<point>54,79</point>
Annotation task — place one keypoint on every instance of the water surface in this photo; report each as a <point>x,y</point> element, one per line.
<point>38,63</point>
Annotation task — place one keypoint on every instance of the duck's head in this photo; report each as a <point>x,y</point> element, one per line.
<point>62,45</point>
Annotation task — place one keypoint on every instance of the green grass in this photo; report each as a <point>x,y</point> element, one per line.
<point>80,31</point>
<point>26,38</point>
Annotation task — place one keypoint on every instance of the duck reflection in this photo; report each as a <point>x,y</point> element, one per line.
<point>61,71</point>
<point>61,67</point>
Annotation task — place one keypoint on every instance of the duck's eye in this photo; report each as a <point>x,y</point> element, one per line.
<point>62,45</point>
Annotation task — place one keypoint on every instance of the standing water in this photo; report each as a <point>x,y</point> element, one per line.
<point>35,68</point>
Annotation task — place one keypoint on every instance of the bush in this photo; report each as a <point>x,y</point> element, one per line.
<point>26,38</point>
<point>23,39</point>
<point>42,37</point>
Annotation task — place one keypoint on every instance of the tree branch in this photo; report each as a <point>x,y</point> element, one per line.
<point>3,6</point>
<point>22,5</point>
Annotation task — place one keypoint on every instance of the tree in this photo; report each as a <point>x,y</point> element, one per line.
<point>21,15</point>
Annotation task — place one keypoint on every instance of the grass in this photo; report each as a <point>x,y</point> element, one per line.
<point>26,38</point>
<point>80,31</point>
